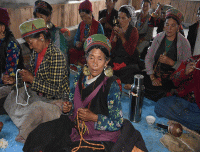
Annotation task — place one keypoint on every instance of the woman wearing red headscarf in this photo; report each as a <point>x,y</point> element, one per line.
<point>87,27</point>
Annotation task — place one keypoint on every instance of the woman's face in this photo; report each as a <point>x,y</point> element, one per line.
<point>46,18</point>
<point>123,19</point>
<point>171,27</point>
<point>145,7</point>
<point>2,31</point>
<point>96,62</point>
<point>110,4</point>
<point>87,18</point>
<point>37,44</point>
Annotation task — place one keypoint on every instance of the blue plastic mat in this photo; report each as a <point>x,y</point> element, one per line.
<point>151,134</point>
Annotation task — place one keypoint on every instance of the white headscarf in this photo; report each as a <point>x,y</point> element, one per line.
<point>131,10</point>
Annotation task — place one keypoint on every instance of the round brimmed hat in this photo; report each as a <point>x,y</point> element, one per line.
<point>175,14</point>
<point>44,6</point>
<point>86,5</point>
<point>98,40</point>
<point>32,26</point>
<point>4,17</point>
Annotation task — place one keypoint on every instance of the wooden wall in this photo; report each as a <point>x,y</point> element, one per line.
<point>66,15</point>
<point>187,7</point>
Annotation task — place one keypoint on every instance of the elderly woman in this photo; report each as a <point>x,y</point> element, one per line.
<point>168,50</point>
<point>47,81</point>
<point>10,57</point>
<point>87,27</point>
<point>108,17</point>
<point>124,38</point>
<point>96,103</point>
<point>145,32</point>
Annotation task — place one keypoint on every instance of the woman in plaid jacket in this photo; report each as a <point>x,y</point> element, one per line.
<point>47,81</point>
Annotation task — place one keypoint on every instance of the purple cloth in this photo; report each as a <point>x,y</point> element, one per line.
<point>95,135</point>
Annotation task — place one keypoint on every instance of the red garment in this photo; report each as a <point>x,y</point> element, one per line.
<point>40,59</point>
<point>118,66</point>
<point>78,55</point>
<point>93,28</point>
<point>187,83</point>
<point>129,45</point>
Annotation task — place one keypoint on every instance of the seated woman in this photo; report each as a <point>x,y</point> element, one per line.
<point>145,32</point>
<point>10,57</point>
<point>157,18</point>
<point>168,50</point>
<point>47,80</point>
<point>184,104</point>
<point>44,10</point>
<point>96,99</point>
<point>86,28</point>
<point>193,38</point>
<point>124,56</point>
<point>108,17</point>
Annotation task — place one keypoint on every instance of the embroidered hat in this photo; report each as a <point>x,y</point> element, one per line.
<point>5,19</point>
<point>165,7</point>
<point>175,14</point>
<point>42,7</point>
<point>32,26</point>
<point>86,5</point>
<point>98,40</point>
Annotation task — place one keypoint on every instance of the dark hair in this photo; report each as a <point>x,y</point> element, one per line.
<point>41,11</point>
<point>174,18</point>
<point>7,30</point>
<point>47,35</point>
<point>84,10</point>
<point>124,10</point>
<point>148,1</point>
<point>102,48</point>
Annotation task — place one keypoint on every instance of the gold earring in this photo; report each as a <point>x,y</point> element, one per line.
<point>108,71</point>
<point>86,71</point>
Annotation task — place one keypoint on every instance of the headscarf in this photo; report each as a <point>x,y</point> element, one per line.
<point>131,11</point>
<point>4,17</point>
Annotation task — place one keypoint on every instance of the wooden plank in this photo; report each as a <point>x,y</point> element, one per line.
<point>189,13</point>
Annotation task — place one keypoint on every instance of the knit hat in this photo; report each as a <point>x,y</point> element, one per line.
<point>165,7</point>
<point>32,26</point>
<point>98,40</point>
<point>5,19</point>
<point>175,14</point>
<point>86,5</point>
<point>42,7</point>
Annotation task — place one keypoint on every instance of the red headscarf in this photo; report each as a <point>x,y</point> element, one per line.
<point>4,17</point>
<point>86,5</point>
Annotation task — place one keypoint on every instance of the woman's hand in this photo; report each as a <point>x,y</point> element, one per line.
<point>166,60</point>
<point>26,76</point>
<point>87,115</point>
<point>189,68</point>
<point>118,31</point>
<point>156,82</point>
<point>8,79</point>
<point>102,20</point>
<point>79,44</point>
<point>67,106</point>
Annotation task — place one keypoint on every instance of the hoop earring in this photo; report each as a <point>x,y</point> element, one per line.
<point>108,71</point>
<point>86,71</point>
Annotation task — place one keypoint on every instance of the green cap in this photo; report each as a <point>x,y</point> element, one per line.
<point>98,40</point>
<point>32,26</point>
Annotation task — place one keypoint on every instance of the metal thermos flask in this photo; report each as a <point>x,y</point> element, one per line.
<point>137,96</point>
